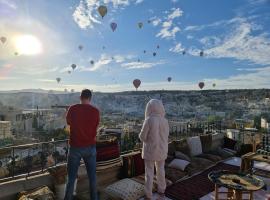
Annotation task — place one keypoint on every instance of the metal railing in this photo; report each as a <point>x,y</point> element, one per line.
<point>28,159</point>
<point>23,160</point>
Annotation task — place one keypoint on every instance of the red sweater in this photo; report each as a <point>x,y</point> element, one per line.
<point>83,120</point>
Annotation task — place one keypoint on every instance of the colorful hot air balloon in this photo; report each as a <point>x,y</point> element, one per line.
<point>214,85</point>
<point>3,39</point>
<point>73,66</point>
<point>80,47</point>
<point>92,62</point>
<point>154,54</point>
<point>140,24</point>
<point>113,26</point>
<point>58,80</point>
<point>184,52</point>
<point>201,85</point>
<point>102,10</point>
<point>201,53</point>
<point>169,79</point>
<point>137,83</point>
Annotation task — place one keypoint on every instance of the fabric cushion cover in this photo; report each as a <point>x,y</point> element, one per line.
<point>179,164</point>
<point>125,189</point>
<point>195,145</point>
<point>206,141</point>
<point>182,156</point>
<point>229,143</point>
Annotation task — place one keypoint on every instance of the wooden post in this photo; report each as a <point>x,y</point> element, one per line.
<point>216,192</point>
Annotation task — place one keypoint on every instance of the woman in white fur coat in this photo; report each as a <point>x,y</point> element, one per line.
<point>154,135</point>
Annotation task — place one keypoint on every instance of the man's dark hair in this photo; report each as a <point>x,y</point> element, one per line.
<point>86,94</point>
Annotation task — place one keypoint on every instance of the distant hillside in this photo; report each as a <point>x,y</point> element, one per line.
<point>134,102</point>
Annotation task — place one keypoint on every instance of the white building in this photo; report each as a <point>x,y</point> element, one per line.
<point>264,123</point>
<point>5,129</point>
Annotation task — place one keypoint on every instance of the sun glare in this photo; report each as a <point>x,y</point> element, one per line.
<point>28,45</point>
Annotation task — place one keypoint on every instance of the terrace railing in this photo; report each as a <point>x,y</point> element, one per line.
<point>25,160</point>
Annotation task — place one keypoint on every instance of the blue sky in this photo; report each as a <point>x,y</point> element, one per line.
<point>234,36</point>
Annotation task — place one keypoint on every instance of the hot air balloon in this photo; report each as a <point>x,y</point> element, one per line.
<point>58,80</point>
<point>149,21</point>
<point>65,90</point>
<point>92,62</point>
<point>3,39</point>
<point>113,26</point>
<point>214,85</point>
<point>144,51</point>
<point>73,66</point>
<point>103,47</point>
<point>201,53</point>
<point>112,58</point>
<point>157,46</point>
<point>16,53</point>
<point>169,79</point>
<point>102,10</point>
<point>80,47</point>
<point>184,52</point>
<point>201,85</point>
<point>139,60</point>
<point>140,24</point>
<point>72,90</point>
<point>154,54</point>
<point>137,83</point>
<point>69,71</point>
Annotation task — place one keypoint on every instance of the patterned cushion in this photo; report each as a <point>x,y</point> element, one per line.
<point>217,141</point>
<point>179,164</point>
<point>182,156</point>
<point>126,189</point>
<point>182,146</point>
<point>195,145</point>
<point>206,141</point>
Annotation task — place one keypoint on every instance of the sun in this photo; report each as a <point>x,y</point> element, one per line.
<point>28,45</point>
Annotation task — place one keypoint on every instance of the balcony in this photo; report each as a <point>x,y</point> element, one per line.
<point>26,167</point>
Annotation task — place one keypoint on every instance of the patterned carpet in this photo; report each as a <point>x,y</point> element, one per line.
<point>197,186</point>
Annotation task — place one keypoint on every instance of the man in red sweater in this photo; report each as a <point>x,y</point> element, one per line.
<point>83,120</point>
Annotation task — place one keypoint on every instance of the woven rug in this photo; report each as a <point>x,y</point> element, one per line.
<point>196,186</point>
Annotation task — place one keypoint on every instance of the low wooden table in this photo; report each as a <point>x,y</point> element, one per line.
<point>248,159</point>
<point>237,184</point>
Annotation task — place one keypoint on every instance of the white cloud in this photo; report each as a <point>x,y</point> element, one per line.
<point>178,48</point>
<point>9,3</point>
<point>103,61</point>
<point>241,44</point>
<point>46,80</point>
<point>156,21</point>
<point>139,1</point>
<point>176,13</point>
<point>190,37</point>
<point>140,65</point>
<point>85,13</point>
<point>168,29</point>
